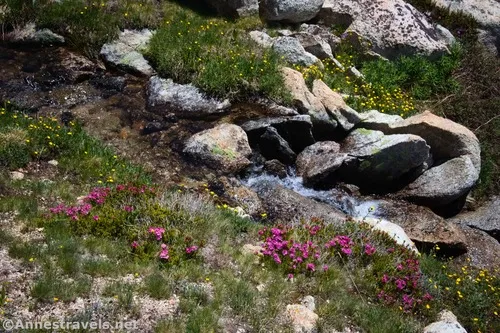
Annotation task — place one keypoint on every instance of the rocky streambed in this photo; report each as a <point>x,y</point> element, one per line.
<point>319,158</point>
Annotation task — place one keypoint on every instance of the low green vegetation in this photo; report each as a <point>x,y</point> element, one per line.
<point>217,56</point>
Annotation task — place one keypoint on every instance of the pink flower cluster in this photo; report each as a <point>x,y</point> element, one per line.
<point>296,254</point>
<point>191,249</point>
<point>164,252</point>
<point>157,231</point>
<point>404,285</point>
<point>344,242</point>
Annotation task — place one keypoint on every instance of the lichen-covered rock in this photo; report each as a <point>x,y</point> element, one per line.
<point>291,11</point>
<point>126,52</point>
<point>393,27</point>
<point>378,159</point>
<point>293,52</point>
<point>184,100</point>
<point>319,161</point>
<point>442,184</point>
<point>335,105</point>
<point>224,148</point>
<point>235,8</point>
<point>486,12</point>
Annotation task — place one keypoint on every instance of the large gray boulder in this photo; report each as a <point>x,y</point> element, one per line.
<point>446,138</point>
<point>442,184</point>
<point>375,159</point>
<point>184,100</point>
<point>486,12</point>
<point>224,148</point>
<point>235,8</point>
<point>293,52</point>
<point>393,27</point>
<point>319,161</point>
<point>126,52</point>
<point>291,11</point>
<point>324,123</point>
<point>335,105</point>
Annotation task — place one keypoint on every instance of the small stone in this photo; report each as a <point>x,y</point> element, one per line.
<point>16,175</point>
<point>53,162</point>
<point>250,249</point>
<point>303,319</point>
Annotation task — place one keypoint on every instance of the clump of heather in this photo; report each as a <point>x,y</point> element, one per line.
<point>135,215</point>
<point>317,248</point>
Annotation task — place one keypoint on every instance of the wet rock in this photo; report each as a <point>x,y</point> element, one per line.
<point>261,38</point>
<point>314,45</point>
<point>296,130</point>
<point>324,124</point>
<point>485,218</point>
<point>291,11</point>
<point>30,35</point>
<point>335,105</point>
<point>392,26</point>
<point>125,53</point>
<point>275,168</point>
<point>293,52</point>
<point>375,159</point>
<point>152,127</point>
<point>224,148</point>
<point>31,65</point>
<point>378,121</point>
<point>318,162</point>
<point>303,320</point>
<point>273,146</point>
<point>235,8</point>
<point>442,184</point>
<point>446,138</point>
<point>288,206</point>
<point>184,100</point>
<point>447,323</point>
<point>76,68</point>
<point>109,83</point>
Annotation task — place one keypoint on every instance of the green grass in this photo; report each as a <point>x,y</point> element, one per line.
<point>216,56</point>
